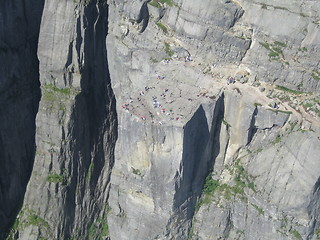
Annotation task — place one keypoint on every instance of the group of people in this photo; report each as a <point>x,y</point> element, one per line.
<point>128,106</point>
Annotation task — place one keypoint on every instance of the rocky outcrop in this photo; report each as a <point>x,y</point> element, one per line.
<point>19,97</point>
<point>76,123</point>
<point>178,123</point>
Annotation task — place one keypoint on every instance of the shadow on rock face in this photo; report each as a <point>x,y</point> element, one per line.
<point>144,16</point>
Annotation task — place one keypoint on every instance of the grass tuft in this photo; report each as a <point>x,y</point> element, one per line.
<point>162,27</point>
<point>296,92</point>
<point>168,50</point>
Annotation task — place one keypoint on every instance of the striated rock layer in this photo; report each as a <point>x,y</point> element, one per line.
<point>172,120</point>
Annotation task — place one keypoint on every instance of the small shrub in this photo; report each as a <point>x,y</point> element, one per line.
<point>251,186</point>
<point>55,178</point>
<point>295,233</point>
<point>210,185</point>
<point>226,123</point>
<point>264,6</point>
<point>136,171</point>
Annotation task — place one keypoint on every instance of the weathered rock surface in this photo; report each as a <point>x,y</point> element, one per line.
<point>206,127</point>
<point>76,127</point>
<point>152,123</point>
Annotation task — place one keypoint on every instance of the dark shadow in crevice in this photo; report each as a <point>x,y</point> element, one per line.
<point>19,103</point>
<point>252,128</point>
<point>201,146</point>
<point>144,16</point>
<point>93,125</point>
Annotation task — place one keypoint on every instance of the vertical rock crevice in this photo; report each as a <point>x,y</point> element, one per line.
<point>94,108</point>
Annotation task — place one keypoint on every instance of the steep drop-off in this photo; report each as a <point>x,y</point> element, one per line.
<point>19,98</point>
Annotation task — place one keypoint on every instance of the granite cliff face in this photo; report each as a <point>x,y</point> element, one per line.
<point>160,120</point>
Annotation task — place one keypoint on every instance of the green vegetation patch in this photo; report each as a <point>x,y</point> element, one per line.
<point>304,49</point>
<point>317,233</point>
<point>52,93</point>
<point>265,45</point>
<point>273,54</point>
<point>159,3</point>
<point>28,217</point>
<point>280,111</point>
<point>210,185</point>
<point>90,171</point>
<point>136,171</point>
<point>162,27</point>
<point>168,49</point>
<point>65,91</point>
<point>295,233</point>
<point>315,75</point>
<point>276,140</point>
<point>154,60</point>
<point>257,104</point>
<point>241,180</point>
<point>14,228</point>
<point>169,2</point>
<point>99,229</point>
<point>275,50</point>
<point>226,123</point>
<point>58,178</point>
<point>155,4</point>
<point>296,92</point>
<point>55,178</point>
<point>36,220</point>
<point>260,210</point>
